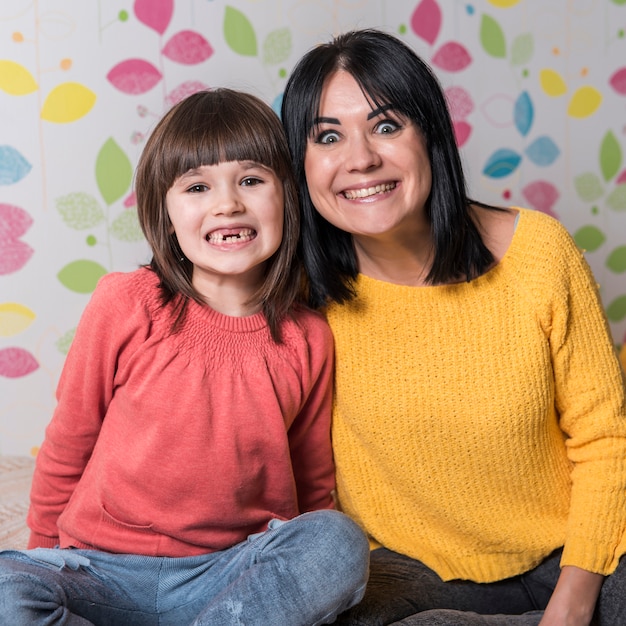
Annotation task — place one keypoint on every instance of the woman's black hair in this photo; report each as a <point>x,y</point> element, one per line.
<point>388,72</point>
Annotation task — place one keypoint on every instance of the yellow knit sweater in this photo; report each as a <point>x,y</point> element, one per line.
<point>479,426</point>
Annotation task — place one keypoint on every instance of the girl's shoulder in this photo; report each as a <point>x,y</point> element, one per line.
<point>309,322</point>
<point>127,290</point>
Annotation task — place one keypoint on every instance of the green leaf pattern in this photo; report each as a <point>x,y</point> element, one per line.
<point>80,211</point>
<point>589,238</point>
<point>589,187</point>
<point>81,276</point>
<point>126,227</point>
<point>114,171</point>
<point>616,200</point>
<point>239,33</point>
<point>492,37</point>
<point>522,49</point>
<point>64,342</point>
<point>277,46</point>
<point>616,310</point>
<point>610,156</point>
<point>616,261</point>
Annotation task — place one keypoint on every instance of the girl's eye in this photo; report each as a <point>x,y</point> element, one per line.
<point>327,137</point>
<point>199,188</point>
<point>386,127</point>
<point>251,181</point>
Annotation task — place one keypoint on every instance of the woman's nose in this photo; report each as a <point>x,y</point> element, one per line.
<point>362,154</point>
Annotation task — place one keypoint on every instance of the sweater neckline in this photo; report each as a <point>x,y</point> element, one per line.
<point>490,274</point>
<point>230,323</point>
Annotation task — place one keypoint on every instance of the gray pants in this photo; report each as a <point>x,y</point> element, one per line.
<point>403,591</point>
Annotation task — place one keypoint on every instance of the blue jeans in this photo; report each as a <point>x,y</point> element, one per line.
<point>304,571</point>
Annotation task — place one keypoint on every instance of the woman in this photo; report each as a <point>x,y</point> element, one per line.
<point>479,421</point>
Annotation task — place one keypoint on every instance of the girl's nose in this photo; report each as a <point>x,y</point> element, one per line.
<point>362,154</point>
<point>226,202</point>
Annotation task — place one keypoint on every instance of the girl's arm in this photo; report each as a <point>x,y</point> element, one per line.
<point>83,394</point>
<point>309,435</point>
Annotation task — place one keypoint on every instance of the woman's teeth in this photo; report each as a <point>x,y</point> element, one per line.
<point>368,191</point>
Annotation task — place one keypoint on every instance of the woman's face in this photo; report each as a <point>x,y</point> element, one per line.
<point>367,169</point>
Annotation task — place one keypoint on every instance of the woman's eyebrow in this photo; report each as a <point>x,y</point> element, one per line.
<point>380,110</point>
<point>326,120</point>
<point>334,120</point>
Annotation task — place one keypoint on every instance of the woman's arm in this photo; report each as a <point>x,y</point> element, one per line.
<point>574,598</point>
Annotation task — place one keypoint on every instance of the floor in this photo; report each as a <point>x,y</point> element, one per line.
<point>15,478</point>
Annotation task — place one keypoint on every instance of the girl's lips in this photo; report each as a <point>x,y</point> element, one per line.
<point>222,236</point>
<point>366,192</point>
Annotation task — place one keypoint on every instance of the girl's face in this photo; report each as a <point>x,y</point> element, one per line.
<point>367,169</point>
<point>228,219</point>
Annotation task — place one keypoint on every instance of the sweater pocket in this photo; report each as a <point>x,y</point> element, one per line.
<point>115,535</point>
<point>110,520</point>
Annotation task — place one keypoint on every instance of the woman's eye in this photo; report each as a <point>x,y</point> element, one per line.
<point>387,127</point>
<point>327,136</point>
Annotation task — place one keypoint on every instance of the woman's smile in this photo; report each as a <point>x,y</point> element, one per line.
<point>367,192</point>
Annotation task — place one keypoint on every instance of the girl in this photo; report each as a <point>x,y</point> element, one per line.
<point>186,475</point>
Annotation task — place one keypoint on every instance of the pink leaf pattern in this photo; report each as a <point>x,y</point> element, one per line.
<point>155,14</point>
<point>452,57</point>
<point>621,179</point>
<point>460,102</point>
<point>426,20</point>
<point>541,195</point>
<point>462,132</point>
<point>618,81</point>
<point>183,90</point>
<point>16,362</point>
<point>134,76</point>
<point>14,254</point>
<point>130,200</point>
<point>188,48</point>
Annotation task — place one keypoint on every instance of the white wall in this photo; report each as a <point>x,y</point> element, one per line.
<point>70,136</point>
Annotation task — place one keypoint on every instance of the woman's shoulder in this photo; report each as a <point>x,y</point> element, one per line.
<point>544,256</point>
<point>539,231</point>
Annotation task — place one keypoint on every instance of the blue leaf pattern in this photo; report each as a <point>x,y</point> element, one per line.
<point>523,113</point>
<point>502,163</point>
<point>543,151</point>
<point>13,166</point>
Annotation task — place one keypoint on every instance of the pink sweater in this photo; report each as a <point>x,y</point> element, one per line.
<point>176,445</point>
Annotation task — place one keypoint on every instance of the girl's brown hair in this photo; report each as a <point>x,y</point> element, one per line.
<point>208,128</point>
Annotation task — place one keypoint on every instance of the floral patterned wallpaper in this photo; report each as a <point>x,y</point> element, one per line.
<point>537,90</point>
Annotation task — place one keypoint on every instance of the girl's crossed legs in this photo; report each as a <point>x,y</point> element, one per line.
<point>304,571</point>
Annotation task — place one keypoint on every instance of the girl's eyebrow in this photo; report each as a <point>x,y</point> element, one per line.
<point>190,173</point>
<point>251,164</point>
